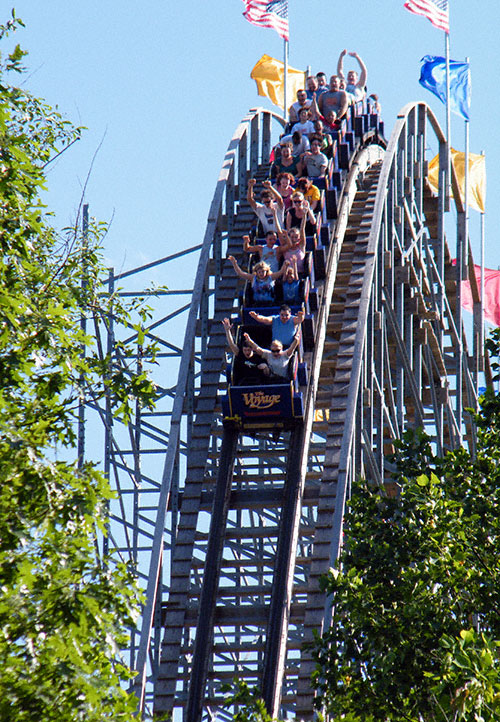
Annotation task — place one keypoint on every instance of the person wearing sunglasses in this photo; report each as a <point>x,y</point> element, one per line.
<point>276,357</point>
<point>299,210</point>
<point>271,200</point>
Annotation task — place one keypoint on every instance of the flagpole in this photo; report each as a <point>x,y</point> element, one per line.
<point>460,244</point>
<point>448,121</point>
<point>285,80</point>
<point>465,257</point>
<point>465,239</point>
<point>462,267</point>
<point>481,330</point>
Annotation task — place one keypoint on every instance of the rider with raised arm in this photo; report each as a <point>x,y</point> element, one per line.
<point>299,210</point>
<point>248,369</point>
<point>284,187</point>
<point>264,211</point>
<point>261,278</point>
<point>277,357</point>
<point>284,326</point>
<point>293,240</point>
<point>291,284</point>
<point>270,253</point>
<point>354,84</point>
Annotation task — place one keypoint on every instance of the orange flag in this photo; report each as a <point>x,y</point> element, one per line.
<point>477,177</point>
<point>268,73</point>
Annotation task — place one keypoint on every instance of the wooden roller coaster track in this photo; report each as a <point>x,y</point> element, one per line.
<point>260,518</point>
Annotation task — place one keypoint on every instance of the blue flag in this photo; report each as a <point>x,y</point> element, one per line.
<point>433,77</point>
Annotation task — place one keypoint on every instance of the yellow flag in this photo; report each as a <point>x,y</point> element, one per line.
<point>268,73</point>
<point>477,177</point>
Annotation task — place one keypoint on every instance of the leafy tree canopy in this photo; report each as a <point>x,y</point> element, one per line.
<point>416,606</point>
<point>64,611</point>
<point>247,702</point>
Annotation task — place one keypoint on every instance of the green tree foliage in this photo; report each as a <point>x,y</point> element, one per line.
<point>416,605</point>
<point>64,611</point>
<point>247,701</point>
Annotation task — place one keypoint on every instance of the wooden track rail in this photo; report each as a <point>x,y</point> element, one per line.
<point>261,518</point>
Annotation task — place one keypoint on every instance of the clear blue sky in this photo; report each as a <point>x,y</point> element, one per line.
<point>161,87</point>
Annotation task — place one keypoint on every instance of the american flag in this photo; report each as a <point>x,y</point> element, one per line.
<point>434,10</point>
<point>269,14</point>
